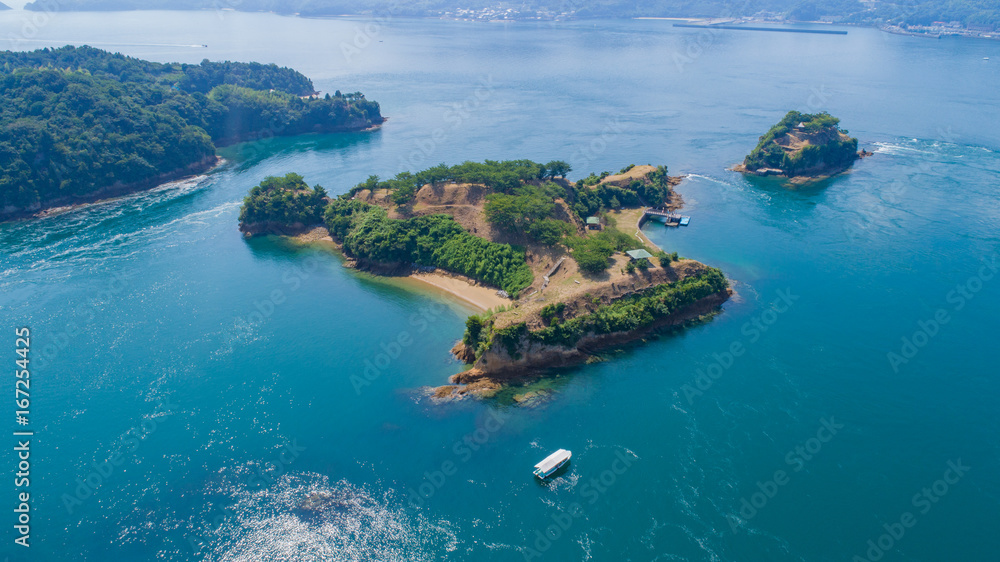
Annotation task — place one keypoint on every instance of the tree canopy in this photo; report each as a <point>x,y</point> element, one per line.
<point>434,240</point>
<point>284,200</point>
<point>79,121</point>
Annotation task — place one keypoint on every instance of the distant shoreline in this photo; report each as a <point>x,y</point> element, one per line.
<point>733,23</point>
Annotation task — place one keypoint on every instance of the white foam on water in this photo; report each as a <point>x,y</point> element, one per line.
<point>709,179</point>
<point>348,523</point>
<point>896,148</point>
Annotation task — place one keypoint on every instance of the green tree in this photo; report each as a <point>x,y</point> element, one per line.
<point>515,212</point>
<point>549,231</point>
<point>558,168</point>
<point>473,329</point>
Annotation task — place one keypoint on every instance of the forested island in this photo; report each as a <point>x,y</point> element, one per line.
<point>803,147</point>
<point>80,123</point>
<point>551,247</point>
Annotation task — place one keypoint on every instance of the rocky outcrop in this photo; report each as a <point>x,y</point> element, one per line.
<point>802,147</point>
<point>498,363</point>
<point>503,363</point>
<point>464,353</point>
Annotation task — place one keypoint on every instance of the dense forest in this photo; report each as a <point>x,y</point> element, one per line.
<point>367,232</point>
<point>833,153</point>
<point>913,12</point>
<point>80,122</point>
<point>633,312</point>
<point>286,200</point>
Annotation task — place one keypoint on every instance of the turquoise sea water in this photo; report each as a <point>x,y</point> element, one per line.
<point>192,389</point>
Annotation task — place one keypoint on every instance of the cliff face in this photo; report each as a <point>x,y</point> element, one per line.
<point>514,351</point>
<point>530,355</point>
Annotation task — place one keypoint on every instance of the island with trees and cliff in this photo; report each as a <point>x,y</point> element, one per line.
<point>803,147</point>
<point>568,260</point>
<point>82,124</point>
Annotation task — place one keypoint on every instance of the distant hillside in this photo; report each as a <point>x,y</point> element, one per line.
<point>4,6</point>
<point>875,12</point>
<point>581,9</point>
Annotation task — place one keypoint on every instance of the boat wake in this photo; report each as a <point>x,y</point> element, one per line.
<point>892,148</point>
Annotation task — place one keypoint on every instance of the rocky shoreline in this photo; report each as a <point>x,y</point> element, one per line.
<point>39,210</point>
<point>818,174</point>
<point>497,368</point>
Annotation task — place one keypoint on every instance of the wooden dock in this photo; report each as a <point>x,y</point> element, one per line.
<point>669,218</point>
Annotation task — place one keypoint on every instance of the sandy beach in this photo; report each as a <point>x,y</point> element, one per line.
<point>478,296</point>
<point>481,297</point>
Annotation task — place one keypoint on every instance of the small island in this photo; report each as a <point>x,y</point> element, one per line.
<point>803,148</point>
<point>568,281</point>
<point>81,124</point>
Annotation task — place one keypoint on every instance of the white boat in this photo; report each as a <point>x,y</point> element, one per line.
<point>552,463</point>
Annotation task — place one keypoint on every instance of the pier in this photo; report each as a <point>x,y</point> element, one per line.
<point>751,28</point>
<point>668,218</point>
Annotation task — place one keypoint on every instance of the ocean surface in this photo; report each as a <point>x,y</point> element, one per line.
<point>198,396</point>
